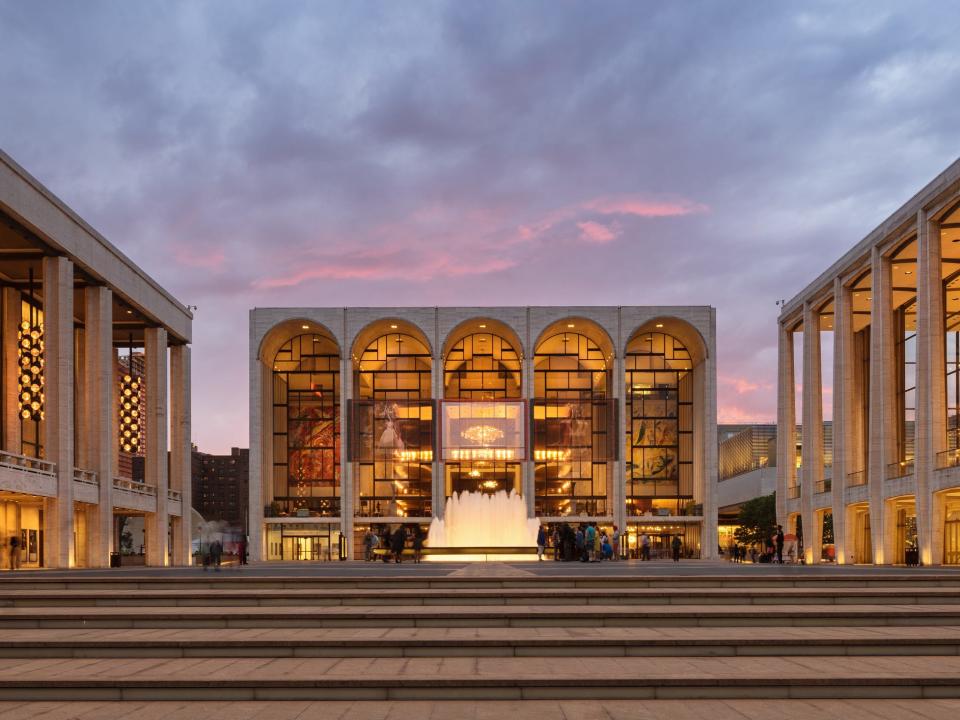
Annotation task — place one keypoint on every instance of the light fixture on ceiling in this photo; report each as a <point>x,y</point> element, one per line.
<point>908,272</point>
<point>659,325</point>
<point>129,312</point>
<point>305,327</point>
<point>571,325</point>
<point>393,327</point>
<point>30,355</point>
<point>483,326</point>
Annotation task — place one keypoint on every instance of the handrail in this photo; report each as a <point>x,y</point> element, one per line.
<point>174,495</point>
<point>87,477</point>
<point>825,485</point>
<point>899,469</point>
<point>29,464</point>
<point>948,458</point>
<point>134,486</point>
<point>793,492</point>
<point>856,478</point>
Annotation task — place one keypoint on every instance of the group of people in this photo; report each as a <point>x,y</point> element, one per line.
<point>773,551</point>
<point>393,544</point>
<point>587,543</point>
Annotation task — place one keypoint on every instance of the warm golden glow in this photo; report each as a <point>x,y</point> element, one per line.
<point>482,454</point>
<point>551,455</point>
<point>413,455</point>
<point>482,434</point>
<point>130,427</point>
<point>30,348</point>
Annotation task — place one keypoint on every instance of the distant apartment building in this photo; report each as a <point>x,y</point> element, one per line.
<point>220,485</point>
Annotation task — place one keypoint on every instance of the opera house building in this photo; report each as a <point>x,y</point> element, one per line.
<point>366,419</point>
<point>884,320</point>
<point>95,376</point>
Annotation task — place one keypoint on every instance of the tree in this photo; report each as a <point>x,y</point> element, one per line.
<point>757,520</point>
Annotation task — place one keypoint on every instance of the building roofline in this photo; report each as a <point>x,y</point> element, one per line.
<point>24,197</point>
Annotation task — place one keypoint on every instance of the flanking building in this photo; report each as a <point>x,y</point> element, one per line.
<point>886,316</point>
<point>95,371</point>
<point>370,417</point>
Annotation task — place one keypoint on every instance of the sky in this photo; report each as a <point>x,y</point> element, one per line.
<point>474,153</point>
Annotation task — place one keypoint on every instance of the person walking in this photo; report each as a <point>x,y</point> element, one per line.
<point>597,543</point>
<point>14,552</point>
<point>779,544</point>
<point>615,542</point>
<point>556,543</point>
<point>216,550</point>
<point>677,545</point>
<point>417,544</point>
<point>368,545</point>
<point>578,545</point>
<point>644,546</point>
<point>397,543</point>
<point>541,542</point>
<point>589,536</point>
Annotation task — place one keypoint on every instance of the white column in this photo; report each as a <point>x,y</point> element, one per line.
<point>619,467</point>
<point>99,411</point>
<point>528,472</point>
<point>181,456</point>
<point>882,421</point>
<point>842,399</point>
<point>155,356</point>
<point>930,425</point>
<point>348,489</point>
<point>58,406</point>
<point>786,422</point>
<point>812,429</point>
<point>438,469</point>
<point>12,313</point>
<point>710,449</point>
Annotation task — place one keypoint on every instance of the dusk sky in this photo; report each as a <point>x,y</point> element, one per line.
<point>473,153</point>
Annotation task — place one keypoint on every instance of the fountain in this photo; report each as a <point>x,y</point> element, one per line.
<point>483,526</point>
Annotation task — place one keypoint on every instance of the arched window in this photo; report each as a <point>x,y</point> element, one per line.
<point>659,419</point>
<point>570,429</point>
<point>306,427</point>
<point>395,475</point>
<point>482,366</point>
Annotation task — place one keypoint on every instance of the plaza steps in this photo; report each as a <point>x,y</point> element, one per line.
<point>235,638</point>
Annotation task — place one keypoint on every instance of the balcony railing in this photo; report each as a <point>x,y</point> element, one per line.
<point>856,478</point>
<point>87,477</point>
<point>133,486</point>
<point>827,472</point>
<point>825,485</point>
<point>948,458</point>
<point>28,464</point>
<point>899,469</point>
<point>174,495</point>
<point>793,492</point>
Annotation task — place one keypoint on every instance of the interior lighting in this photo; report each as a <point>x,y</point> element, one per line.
<point>482,434</point>
<point>30,356</point>
<point>305,327</point>
<point>483,326</point>
<point>659,325</point>
<point>908,272</point>
<point>571,325</point>
<point>393,327</point>
<point>130,425</point>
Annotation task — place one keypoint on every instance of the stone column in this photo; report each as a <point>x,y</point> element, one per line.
<point>619,467</point>
<point>348,489</point>
<point>842,399</point>
<point>12,314</point>
<point>811,443</point>
<point>710,448</point>
<point>261,395</point>
<point>155,356</point>
<point>58,406</point>
<point>181,454</point>
<point>528,473</point>
<point>786,422</point>
<point>99,412</point>
<point>882,421</point>
<point>438,468</point>
<point>930,426</point>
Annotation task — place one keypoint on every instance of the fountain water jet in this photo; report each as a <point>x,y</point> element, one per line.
<point>485,522</point>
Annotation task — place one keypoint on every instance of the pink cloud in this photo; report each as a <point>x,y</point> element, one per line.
<point>643,207</point>
<point>743,386</point>
<point>596,232</point>
<point>191,257</point>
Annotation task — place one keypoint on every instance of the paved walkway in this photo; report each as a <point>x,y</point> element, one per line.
<point>492,710</point>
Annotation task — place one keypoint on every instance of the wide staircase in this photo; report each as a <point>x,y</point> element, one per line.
<point>231,637</point>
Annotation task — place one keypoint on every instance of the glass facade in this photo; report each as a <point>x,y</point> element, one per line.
<point>659,432</point>
<point>483,367</point>
<point>306,428</point>
<point>572,422</point>
<point>393,426</point>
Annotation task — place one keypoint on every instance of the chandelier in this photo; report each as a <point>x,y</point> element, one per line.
<point>130,407</point>
<point>482,434</point>
<point>30,352</point>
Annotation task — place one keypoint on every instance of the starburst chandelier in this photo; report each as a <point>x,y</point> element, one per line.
<point>30,352</point>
